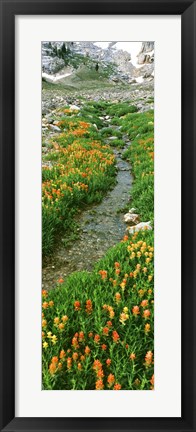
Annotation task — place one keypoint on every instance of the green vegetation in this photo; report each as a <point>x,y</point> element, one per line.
<point>82,170</point>
<point>117,143</point>
<point>140,128</point>
<point>98,326</point>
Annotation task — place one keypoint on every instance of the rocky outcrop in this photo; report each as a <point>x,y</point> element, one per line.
<point>57,55</point>
<point>146,54</point>
<point>147,47</point>
<point>54,56</point>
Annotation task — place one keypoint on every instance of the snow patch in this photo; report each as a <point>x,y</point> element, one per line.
<point>53,78</point>
<point>103,45</point>
<point>139,80</point>
<point>132,48</point>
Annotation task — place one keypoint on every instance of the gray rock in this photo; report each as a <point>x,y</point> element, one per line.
<point>55,128</point>
<point>141,58</point>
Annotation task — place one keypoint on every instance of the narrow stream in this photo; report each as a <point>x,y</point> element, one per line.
<point>101,226</point>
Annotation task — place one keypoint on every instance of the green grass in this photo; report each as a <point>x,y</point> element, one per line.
<point>117,143</point>
<point>140,129</point>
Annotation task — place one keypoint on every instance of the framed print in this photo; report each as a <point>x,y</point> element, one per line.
<point>97,215</point>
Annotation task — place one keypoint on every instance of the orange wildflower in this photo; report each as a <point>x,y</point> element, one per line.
<point>152,382</point>
<point>75,342</point>
<point>45,305</point>
<point>97,365</point>
<point>135,310</point>
<point>147,328</point>
<point>89,306</point>
<point>62,354</point>
<point>117,297</point>
<point>61,326</point>
<point>148,358</point>
<point>109,323</point>
<point>105,331</point>
<point>87,350</point>
<point>103,347</point>
<point>144,303</point>
<point>108,362</point>
<point>52,368</point>
<point>146,313</point>
<point>115,336</point>
<point>100,373</point>
<point>97,338</point>
<point>103,274</point>
<point>117,386</point>
<point>110,379</point>
<point>77,305</point>
<point>44,323</point>
<point>99,385</point>
<point>69,363</point>
<point>75,356</point>
<point>132,356</point>
<point>60,280</point>
<point>81,336</point>
<point>51,303</point>
<point>64,318</point>
<point>111,312</point>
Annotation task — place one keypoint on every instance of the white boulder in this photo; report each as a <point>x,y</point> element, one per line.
<point>139,226</point>
<point>74,108</point>
<point>131,217</point>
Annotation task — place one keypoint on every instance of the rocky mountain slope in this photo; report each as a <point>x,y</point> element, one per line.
<point>117,60</point>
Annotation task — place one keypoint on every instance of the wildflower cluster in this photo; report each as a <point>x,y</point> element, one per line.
<point>80,170</point>
<point>97,334</point>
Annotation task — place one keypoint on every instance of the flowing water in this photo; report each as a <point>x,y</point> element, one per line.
<point>101,226</point>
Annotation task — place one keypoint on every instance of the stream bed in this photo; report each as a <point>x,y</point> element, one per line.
<point>101,226</point>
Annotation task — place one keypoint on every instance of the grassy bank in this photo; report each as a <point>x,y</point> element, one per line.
<point>77,170</point>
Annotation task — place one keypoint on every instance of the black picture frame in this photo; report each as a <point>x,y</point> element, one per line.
<point>8,11</point>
